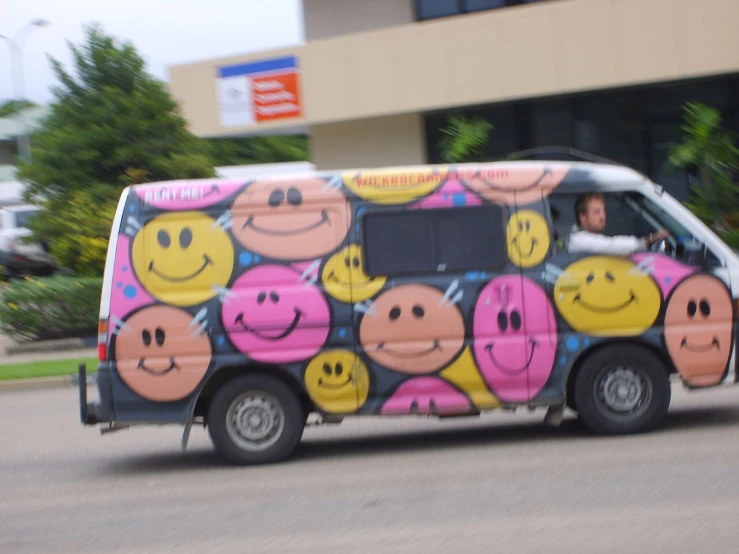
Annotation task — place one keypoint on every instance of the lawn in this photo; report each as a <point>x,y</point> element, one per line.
<point>45,369</point>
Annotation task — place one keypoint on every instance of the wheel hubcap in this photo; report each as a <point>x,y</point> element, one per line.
<point>255,421</point>
<point>624,391</point>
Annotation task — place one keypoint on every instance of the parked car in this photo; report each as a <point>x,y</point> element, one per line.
<point>18,256</point>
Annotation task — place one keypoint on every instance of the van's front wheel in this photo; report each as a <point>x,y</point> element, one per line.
<point>255,419</point>
<point>624,389</point>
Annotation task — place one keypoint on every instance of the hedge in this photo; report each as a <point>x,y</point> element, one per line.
<point>50,308</point>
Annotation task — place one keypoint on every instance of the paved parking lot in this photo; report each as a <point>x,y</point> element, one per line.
<point>499,483</point>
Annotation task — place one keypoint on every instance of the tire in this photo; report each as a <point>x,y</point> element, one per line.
<point>622,389</point>
<point>280,419</point>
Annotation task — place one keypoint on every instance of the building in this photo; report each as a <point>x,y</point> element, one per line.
<point>32,118</point>
<point>374,81</point>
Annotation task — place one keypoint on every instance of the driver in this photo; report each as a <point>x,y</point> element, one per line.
<point>590,213</point>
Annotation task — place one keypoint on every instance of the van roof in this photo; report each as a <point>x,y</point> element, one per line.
<point>579,174</point>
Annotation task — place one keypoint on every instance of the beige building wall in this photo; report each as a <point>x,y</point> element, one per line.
<point>369,143</point>
<point>329,18</point>
<point>531,50</point>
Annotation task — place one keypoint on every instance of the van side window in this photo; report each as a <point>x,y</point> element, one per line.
<point>469,238</point>
<point>397,243</point>
<point>437,240</point>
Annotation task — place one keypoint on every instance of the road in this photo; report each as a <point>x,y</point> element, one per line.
<point>501,483</point>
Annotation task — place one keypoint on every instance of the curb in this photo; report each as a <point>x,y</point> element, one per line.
<point>51,346</point>
<point>44,383</point>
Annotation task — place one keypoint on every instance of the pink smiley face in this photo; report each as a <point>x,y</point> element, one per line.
<point>428,396</point>
<point>451,194</point>
<point>274,316</point>
<point>665,271</point>
<point>188,195</point>
<point>515,337</point>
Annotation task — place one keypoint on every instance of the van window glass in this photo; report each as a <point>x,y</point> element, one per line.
<point>468,238</point>
<point>431,241</point>
<point>397,243</point>
<point>629,213</point>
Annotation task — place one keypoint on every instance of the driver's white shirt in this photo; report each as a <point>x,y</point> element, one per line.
<point>585,241</point>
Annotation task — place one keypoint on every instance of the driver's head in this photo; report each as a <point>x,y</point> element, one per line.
<point>590,211</point>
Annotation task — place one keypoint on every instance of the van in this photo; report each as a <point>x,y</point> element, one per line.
<point>442,291</point>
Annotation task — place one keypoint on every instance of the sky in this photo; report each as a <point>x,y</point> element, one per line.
<point>165,32</point>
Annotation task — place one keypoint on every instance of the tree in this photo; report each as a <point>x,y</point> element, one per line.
<point>712,152</point>
<point>111,124</point>
<point>12,107</point>
<point>258,150</point>
<point>464,139</point>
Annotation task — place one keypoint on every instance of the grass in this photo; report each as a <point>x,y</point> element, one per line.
<point>49,368</point>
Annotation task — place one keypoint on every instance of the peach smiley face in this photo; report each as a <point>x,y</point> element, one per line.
<point>412,329</point>
<point>518,184</point>
<point>161,355</point>
<point>288,220</point>
<point>698,329</point>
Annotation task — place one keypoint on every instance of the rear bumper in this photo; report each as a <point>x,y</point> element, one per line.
<point>92,413</point>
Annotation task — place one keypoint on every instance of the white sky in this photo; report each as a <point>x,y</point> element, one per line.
<point>165,32</point>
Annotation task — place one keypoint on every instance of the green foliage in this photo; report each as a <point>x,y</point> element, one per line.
<point>12,107</point>
<point>112,124</point>
<point>713,152</point>
<point>258,150</point>
<point>50,308</point>
<point>80,234</point>
<point>464,139</point>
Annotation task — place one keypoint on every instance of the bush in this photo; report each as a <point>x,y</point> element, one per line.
<point>50,308</point>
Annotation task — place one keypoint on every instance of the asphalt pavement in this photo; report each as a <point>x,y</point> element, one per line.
<point>500,483</point>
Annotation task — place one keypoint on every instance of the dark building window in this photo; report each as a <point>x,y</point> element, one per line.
<point>429,241</point>
<point>432,9</point>
<point>479,5</point>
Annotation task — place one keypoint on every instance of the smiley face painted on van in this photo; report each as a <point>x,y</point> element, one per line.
<point>606,295</point>
<point>273,315</point>
<point>160,354</point>
<point>513,186</point>
<point>412,329</point>
<point>527,234</point>
<point>699,329</point>
<point>179,257</point>
<point>263,306</point>
<point>338,381</point>
<point>344,278</point>
<point>289,220</point>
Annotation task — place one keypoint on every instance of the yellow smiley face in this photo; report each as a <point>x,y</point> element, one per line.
<point>337,381</point>
<point>179,257</point>
<point>607,296</point>
<point>527,235</point>
<point>344,278</point>
<point>382,187</point>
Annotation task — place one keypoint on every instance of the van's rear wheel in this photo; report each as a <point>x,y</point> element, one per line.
<point>255,419</point>
<point>624,389</point>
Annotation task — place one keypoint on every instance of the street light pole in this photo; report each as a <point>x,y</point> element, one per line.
<point>16,62</point>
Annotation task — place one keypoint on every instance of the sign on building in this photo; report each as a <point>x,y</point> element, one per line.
<point>259,91</point>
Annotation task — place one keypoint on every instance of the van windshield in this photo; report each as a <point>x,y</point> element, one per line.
<point>650,209</point>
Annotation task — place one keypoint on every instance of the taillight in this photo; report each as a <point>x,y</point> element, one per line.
<point>103,340</point>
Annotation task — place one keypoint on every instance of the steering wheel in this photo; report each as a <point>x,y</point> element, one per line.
<point>664,246</point>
